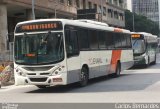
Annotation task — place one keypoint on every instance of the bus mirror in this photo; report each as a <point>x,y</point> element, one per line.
<point>133,50</point>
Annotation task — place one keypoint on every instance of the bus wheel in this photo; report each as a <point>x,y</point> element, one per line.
<point>41,86</point>
<point>84,77</point>
<point>118,70</point>
<point>148,63</point>
<point>154,62</point>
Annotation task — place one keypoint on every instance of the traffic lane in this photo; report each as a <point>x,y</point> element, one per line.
<point>130,80</point>
<point>134,85</point>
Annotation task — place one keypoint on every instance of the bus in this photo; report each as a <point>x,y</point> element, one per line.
<point>145,48</point>
<point>50,52</point>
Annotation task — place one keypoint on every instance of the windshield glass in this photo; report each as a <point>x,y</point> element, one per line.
<point>138,46</point>
<point>41,48</point>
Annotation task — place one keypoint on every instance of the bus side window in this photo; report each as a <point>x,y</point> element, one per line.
<point>71,40</point>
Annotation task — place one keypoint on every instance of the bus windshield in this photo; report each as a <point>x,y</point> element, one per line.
<point>138,46</point>
<point>43,48</point>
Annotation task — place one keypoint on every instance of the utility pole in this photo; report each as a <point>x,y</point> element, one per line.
<point>133,23</point>
<point>55,11</point>
<point>101,11</point>
<point>133,17</point>
<point>33,11</point>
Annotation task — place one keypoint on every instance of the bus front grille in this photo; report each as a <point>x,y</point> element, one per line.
<point>38,79</point>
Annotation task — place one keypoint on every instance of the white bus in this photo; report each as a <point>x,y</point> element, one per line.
<point>53,52</point>
<point>145,48</point>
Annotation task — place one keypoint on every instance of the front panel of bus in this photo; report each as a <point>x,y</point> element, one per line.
<point>139,47</point>
<point>39,53</point>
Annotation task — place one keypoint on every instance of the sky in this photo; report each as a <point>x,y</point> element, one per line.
<point>129,4</point>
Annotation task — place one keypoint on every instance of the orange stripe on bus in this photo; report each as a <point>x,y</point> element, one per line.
<point>116,55</point>
<point>118,30</point>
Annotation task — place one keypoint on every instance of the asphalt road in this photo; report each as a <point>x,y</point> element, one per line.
<point>134,85</point>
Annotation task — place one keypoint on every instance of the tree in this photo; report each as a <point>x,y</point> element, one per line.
<point>142,24</point>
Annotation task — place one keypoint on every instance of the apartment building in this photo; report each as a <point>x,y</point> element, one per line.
<point>14,11</point>
<point>148,8</point>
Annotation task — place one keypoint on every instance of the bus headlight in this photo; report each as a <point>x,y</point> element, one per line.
<point>20,73</point>
<point>56,72</point>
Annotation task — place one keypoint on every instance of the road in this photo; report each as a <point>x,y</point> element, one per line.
<point>134,85</point>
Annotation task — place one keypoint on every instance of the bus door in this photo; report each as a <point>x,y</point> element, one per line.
<point>72,53</point>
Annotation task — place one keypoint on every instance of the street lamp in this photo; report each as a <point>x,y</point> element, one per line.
<point>33,12</point>
<point>55,11</point>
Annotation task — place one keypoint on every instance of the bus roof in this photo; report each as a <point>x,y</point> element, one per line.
<point>145,34</point>
<point>81,23</point>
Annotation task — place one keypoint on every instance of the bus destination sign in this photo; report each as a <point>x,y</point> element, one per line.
<point>39,26</point>
<point>137,36</point>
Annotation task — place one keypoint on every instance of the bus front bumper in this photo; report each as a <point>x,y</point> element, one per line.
<point>140,61</point>
<point>48,81</point>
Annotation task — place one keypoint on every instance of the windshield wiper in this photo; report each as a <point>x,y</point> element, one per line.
<point>135,41</point>
<point>47,35</point>
<point>60,44</point>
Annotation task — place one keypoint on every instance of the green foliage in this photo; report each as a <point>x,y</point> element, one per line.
<point>142,24</point>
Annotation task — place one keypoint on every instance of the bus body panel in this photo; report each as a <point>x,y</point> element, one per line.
<point>73,69</point>
<point>127,59</point>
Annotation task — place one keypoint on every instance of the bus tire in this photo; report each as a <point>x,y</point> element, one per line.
<point>84,76</point>
<point>118,70</point>
<point>154,62</point>
<point>41,86</point>
<point>148,63</point>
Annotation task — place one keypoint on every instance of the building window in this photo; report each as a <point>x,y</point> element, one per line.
<point>95,6</point>
<point>104,11</point>
<point>116,2</point>
<point>89,5</point>
<point>61,1</point>
<point>99,9</point>
<point>77,4</point>
<point>69,2</point>
<point>110,13</point>
<point>116,14</point>
<point>121,16</point>
<point>110,1</point>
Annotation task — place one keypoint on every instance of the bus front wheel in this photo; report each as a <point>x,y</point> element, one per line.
<point>147,62</point>
<point>155,59</point>
<point>84,77</point>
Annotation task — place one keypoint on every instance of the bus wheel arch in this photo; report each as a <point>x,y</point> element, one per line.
<point>84,75</point>
<point>147,63</point>
<point>155,59</point>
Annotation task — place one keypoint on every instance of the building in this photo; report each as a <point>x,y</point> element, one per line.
<point>148,8</point>
<point>129,5</point>
<point>14,11</point>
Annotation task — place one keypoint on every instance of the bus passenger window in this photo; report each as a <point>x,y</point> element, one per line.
<point>102,40</point>
<point>71,43</point>
<point>93,39</point>
<point>83,39</point>
<point>109,40</point>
